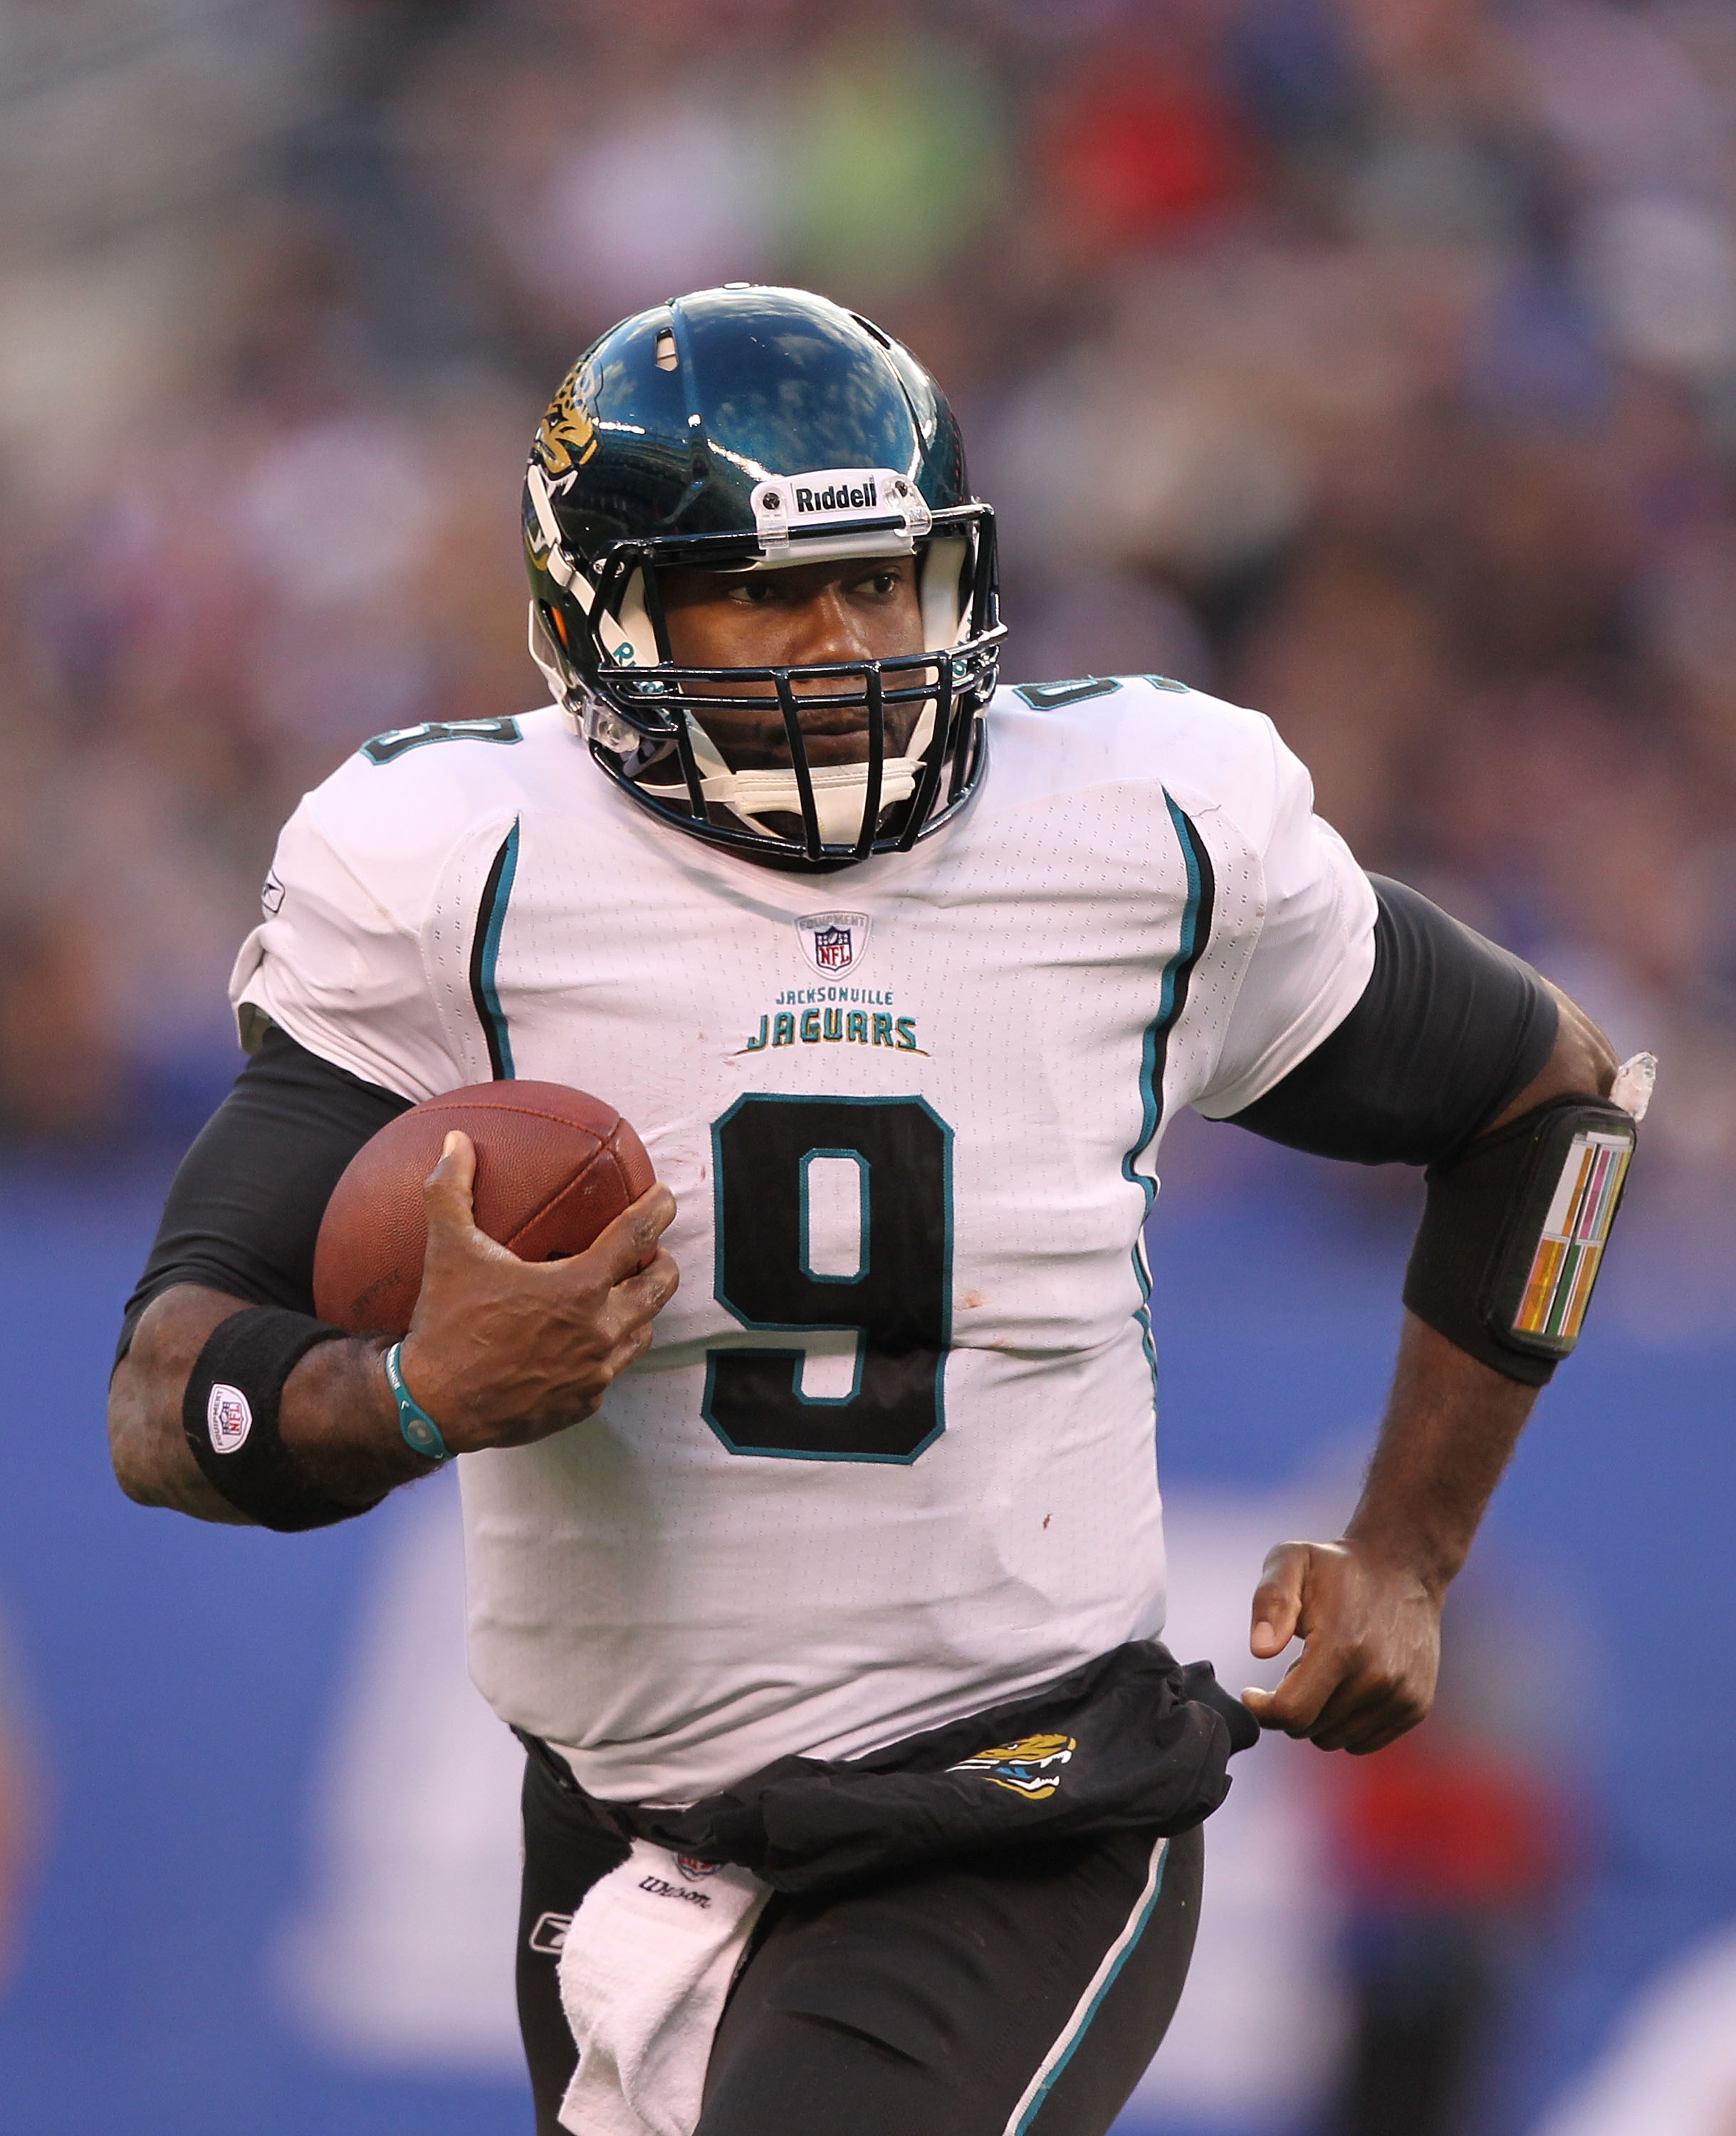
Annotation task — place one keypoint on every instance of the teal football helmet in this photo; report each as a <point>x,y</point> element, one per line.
<point>752,429</point>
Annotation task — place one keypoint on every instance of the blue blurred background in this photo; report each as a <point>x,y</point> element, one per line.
<point>1373,361</point>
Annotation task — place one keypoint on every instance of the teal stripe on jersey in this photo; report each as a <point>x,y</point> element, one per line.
<point>485,956</point>
<point>1196,927</point>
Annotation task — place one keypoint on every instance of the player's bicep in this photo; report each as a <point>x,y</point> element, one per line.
<point>242,1217</point>
<point>1447,1031</point>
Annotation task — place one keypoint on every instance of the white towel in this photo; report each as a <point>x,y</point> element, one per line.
<point>644,1970</point>
<point>1635,1080</point>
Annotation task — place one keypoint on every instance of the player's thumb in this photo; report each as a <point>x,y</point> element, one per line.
<point>1278,1599</point>
<point>446,1192</point>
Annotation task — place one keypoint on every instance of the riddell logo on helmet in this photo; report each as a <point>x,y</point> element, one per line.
<point>838,496</point>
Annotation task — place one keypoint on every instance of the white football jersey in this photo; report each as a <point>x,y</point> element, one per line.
<point>891,1456</point>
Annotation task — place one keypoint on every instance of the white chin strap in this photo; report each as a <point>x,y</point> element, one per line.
<point>840,790</point>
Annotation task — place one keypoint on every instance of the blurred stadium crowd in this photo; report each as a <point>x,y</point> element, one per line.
<point>1372,362</point>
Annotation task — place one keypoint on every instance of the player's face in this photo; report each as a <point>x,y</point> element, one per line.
<point>810,615</point>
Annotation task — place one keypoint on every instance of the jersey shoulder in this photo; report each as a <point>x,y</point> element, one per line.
<point>344,960</point>
<point>1049,738</point>
<point>392,813</point>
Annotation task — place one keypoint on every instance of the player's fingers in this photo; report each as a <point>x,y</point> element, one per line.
<point>1278,1599</point>
<point>629,1351</point>
<point>1297,1704</point>
<point>1346,1716</point>
<point>1367,1713</point>
<point>638,1299</point>
<point>1357,1738</point>
<point>1377,1739</point>
<point>446,1192</point>
<point>629,1242</point>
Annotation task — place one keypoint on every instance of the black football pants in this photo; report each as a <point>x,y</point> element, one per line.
<point>1017,1996</point>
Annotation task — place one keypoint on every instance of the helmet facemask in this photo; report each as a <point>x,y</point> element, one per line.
<point>604,648</point>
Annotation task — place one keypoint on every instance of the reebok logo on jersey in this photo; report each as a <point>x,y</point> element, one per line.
<point>549,1936</point>
<point>228,1418</point>
<point>1031,1767</point>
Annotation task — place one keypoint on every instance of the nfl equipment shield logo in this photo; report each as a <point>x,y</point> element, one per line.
<point>833,942</point>
<point>228,1418</point>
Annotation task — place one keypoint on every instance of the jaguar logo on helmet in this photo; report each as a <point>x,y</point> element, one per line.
<point>1031,1767</point>
<point>566,437</point>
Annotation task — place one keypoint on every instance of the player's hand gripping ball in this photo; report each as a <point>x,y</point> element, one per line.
<point>553,1167</point>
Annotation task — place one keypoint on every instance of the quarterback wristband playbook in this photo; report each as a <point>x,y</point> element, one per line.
<point>229,1413</point>
<point>1514,1231</point>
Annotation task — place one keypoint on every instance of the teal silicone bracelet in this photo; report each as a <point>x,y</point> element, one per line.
<point>421,1433</point>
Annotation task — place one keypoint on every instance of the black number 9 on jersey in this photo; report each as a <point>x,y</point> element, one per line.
<point>889,1283</point>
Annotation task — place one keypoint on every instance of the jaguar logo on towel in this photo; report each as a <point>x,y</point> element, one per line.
<point>1031,1767</point>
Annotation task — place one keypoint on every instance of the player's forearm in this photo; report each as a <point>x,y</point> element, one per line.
<point>1451,1421</point>
<point>1451,1427</point>
<point>339,1421</point>
<point>338,1417</point>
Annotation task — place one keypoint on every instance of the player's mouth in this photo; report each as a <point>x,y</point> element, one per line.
<point>754,739</point>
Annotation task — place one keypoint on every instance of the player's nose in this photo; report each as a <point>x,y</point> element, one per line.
<point>827,630</point>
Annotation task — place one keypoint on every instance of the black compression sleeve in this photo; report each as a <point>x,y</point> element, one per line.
<point>1449,1029</point>
<point>243,1214</point>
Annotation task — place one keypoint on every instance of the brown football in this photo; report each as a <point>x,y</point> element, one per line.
<point>553,1167</point>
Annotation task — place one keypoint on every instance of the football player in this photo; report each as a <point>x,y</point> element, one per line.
<point>900,974</point>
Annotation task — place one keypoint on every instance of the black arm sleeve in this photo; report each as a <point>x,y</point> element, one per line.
<point>1448,1030</point>
<point>243,1214</point>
